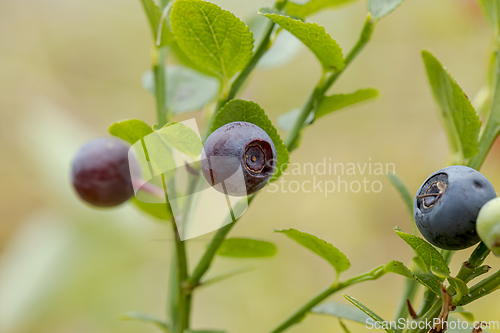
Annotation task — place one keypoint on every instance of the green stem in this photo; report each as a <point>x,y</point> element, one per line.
<point>483,288</point>
<point>299,314</point>
<point>429,316</point>
<point>476,259</point>
<point>429,298</point>
<point>205,261</point>
<point>159,58</point>
<point>182,307</point>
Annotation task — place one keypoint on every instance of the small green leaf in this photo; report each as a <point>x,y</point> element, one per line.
<point>457,113</point>
<point>333,103</point>
<point>240,110</point>
<point>203,331</point>
<point>187,90</point>
<point>370,313</point>
<point>428,280</point>
<point>181,138</point>
<point>212,37</point>
<point>460,287</point>
<point>380,8</point>
<point>491,11</point>
<point>322,248</point>
<point>431,257</point>
<point>246,248</point>
<point>158,210</point>
<point>138,316</point>
<point>340,310</point>
<point>130,130</point>
<point>314,37</point>
<point>226,275</point>
<point>313,6</point>
<point>403,192</point>
<point>286,120</point>
<point>154,17</point>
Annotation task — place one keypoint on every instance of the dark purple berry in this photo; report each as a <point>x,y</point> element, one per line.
<point>100,173</point>
<point>238,145</point>
<point>447,204</point>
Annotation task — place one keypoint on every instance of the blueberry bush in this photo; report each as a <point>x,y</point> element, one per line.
<point>217,53</point>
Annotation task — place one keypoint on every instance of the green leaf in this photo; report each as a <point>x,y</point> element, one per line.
<point>137,316</point>
<point>314,37</point>
<point>403,191</point>
<point>333,103</point>
<point>187,90</point>
<point>240,110</point>
<point>183,59</point>
<point>158,210</point>
<point>181,138</point>
<point>286,120</point>
<point>491,12</point>
<point>380,8</point>
<point>226,275</point>
<point>212,37</point>
<point>457,113</point>
<point>154,17</point>
<point>130,130</point>
<point>431,257</point>
<point>313,6</point>
<point>202,331</point>
<point>322,248</point>
<point>460,287</point>
<point>340,310</point>
<point>428,280</point>
<point>370,313</point>
<point>246,248</point>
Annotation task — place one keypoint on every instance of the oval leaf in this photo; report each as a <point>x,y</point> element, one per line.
<point>457,113</point>
<point>314,37</point>
<point>130,130</point>
<point>333,103</point>
<point>246,248</point>
<point>240,110</point>
<point>322,248</point>
<point>431,257</point>
<point>428,280</point>
<point>212,37</point>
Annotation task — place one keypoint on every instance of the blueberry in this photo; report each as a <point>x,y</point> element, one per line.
<point>100,173</point>
<point>488,225</point>
<point>235,145</point>
<point>447,204</point>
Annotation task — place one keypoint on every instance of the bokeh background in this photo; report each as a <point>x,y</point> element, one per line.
<point>68,69</point>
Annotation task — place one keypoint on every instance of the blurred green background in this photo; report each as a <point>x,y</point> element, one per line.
<point>68,69</point>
